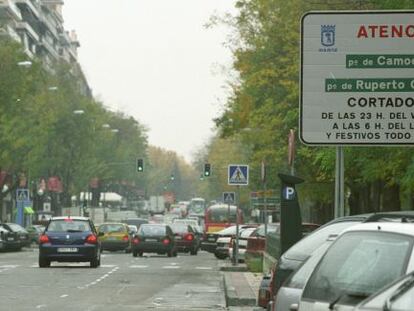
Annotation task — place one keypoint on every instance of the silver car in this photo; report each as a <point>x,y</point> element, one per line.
<point>361,261</point>
<point>288,296</point>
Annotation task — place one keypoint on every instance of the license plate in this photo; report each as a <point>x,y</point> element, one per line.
<point>151,240</point>
<point>178,238</point>
<point>10,239</point>
<point>67,250</point>
<point>211,239</point>
<point>111,238</point>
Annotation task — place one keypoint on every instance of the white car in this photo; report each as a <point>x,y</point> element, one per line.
<point>244,234</point>
<point>364,258</point>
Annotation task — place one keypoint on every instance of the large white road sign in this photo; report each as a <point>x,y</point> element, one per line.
<point>357,78</point>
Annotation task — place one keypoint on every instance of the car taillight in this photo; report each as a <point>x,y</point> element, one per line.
<point>166,241</point>
<point>189,237</point>
<point>135,241</point>
<point>91,239</point>
<point>125,238</point>
<point>44,239</point>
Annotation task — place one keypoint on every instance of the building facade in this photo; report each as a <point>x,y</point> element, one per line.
<point>38,26</point>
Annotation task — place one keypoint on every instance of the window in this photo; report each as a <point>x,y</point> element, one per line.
<point>359,263</point>
<point>69,225</point>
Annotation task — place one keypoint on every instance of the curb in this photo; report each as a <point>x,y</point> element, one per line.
<point>231,268</point>
<point>232,300</point>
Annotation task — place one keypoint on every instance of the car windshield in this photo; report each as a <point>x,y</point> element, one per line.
<point>152,230</point>
<point>68,225</point>
<point>359,263</point>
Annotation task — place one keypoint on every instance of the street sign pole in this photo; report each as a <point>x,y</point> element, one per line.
<point>237,227</point>
<point>263,173</point>
<point>339,183</point>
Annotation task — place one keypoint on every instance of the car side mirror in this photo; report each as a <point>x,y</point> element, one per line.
<point>294,307</point>
<point>100,233</point>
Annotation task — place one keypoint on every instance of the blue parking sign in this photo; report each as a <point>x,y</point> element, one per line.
<point>238,175</point>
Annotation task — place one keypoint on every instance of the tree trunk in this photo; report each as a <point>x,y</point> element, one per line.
<point>391,198</point>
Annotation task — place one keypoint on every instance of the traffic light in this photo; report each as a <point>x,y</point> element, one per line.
<point>207,169</point>
<point>140,165</point>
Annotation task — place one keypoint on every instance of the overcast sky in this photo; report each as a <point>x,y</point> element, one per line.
<point>155,61</point>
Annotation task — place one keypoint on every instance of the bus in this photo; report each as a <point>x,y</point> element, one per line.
<point>220,216</point>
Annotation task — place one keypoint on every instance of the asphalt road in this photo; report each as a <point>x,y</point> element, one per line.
<point>121,283</point>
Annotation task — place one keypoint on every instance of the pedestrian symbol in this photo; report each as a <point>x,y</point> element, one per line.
<point>229,197</point>
<point>22,195</point>
<point>238,175</point>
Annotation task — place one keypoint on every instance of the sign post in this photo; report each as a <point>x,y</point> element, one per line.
<point>357,82</point>
<point>238,175</point>
<point>22,198</point>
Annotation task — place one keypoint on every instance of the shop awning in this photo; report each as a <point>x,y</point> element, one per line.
<point>28,210</point>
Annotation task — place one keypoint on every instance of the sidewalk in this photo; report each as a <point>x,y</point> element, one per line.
<point>241,288</point>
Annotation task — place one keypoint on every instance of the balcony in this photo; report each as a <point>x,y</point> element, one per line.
<point>30,5</point>
<point>24,26</point>
<point>9,9</point>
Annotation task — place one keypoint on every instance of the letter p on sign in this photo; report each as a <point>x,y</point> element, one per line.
<point>289,193</point>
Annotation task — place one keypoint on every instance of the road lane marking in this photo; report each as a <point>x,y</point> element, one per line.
<point>204,268</point>
<point>108,266</point>
<point>138,266</point>
<point>99,279</point>
<point>64,296</point>
<point>171,267</point>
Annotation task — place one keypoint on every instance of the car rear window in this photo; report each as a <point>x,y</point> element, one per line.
<point>359,264</point>
<point>68,225</point>
<point>106,228</point>
<point>179,228</point>
<point>152,230</point>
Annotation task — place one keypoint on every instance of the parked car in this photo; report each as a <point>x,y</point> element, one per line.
<point>363,259</point>
<point>228,232</point>
<point>186,238</point>
<point>115,237</point>
<point>35,231</point>
<point>70,239</point>
<point>21,233</point>
<point>244,234</point>
<point>298,253</point>
<point>396,296</point>
<point>10,240</point>
<point>290,292</point>
<point>154,238</point>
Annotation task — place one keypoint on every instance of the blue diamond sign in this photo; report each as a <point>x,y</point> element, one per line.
<point>238,175</point>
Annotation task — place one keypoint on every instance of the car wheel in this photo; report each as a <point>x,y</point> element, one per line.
<point>175,253</point>
<point>193,251</point>
<point>170,253</point>
<point>141,254</point>
<point>44,263</point>
<point>94,263</point>
<point>135,253</point>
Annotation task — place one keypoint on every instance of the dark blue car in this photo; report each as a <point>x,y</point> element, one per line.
<point>69,239</point>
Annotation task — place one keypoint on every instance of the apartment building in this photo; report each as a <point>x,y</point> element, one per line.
<point>38,26</point>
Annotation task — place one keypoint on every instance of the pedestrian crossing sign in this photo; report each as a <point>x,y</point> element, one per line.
<point>22,195</point>
<point>229,197</point>
<point>238,175</point>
